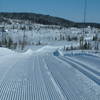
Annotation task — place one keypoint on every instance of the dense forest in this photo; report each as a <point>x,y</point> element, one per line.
<point>43,19</point>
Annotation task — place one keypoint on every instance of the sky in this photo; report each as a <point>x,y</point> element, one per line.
<point>68,9</point>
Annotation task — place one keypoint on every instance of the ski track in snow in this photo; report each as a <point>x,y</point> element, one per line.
<point>83,69</point>
<point>30,76</point>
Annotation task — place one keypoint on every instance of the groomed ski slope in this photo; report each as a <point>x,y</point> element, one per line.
<point>44,74</point>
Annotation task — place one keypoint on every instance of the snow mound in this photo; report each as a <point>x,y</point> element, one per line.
<point>29,52</point>
<point>47,49</point>
<point>5,51</point>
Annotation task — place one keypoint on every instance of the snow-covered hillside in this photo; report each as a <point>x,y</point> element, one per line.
<point>25,33</point>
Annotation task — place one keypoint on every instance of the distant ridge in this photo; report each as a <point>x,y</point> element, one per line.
<point>43,19</point>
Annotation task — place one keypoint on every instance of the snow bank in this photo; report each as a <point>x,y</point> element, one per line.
<point>47,49</point>
<point>5,51</point>
<point>29,52</point>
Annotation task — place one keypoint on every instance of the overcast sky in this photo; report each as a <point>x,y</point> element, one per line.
<point>68,9</point>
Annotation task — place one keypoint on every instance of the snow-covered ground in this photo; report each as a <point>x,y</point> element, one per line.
<point>47,69</point>
<point>49,74</point>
